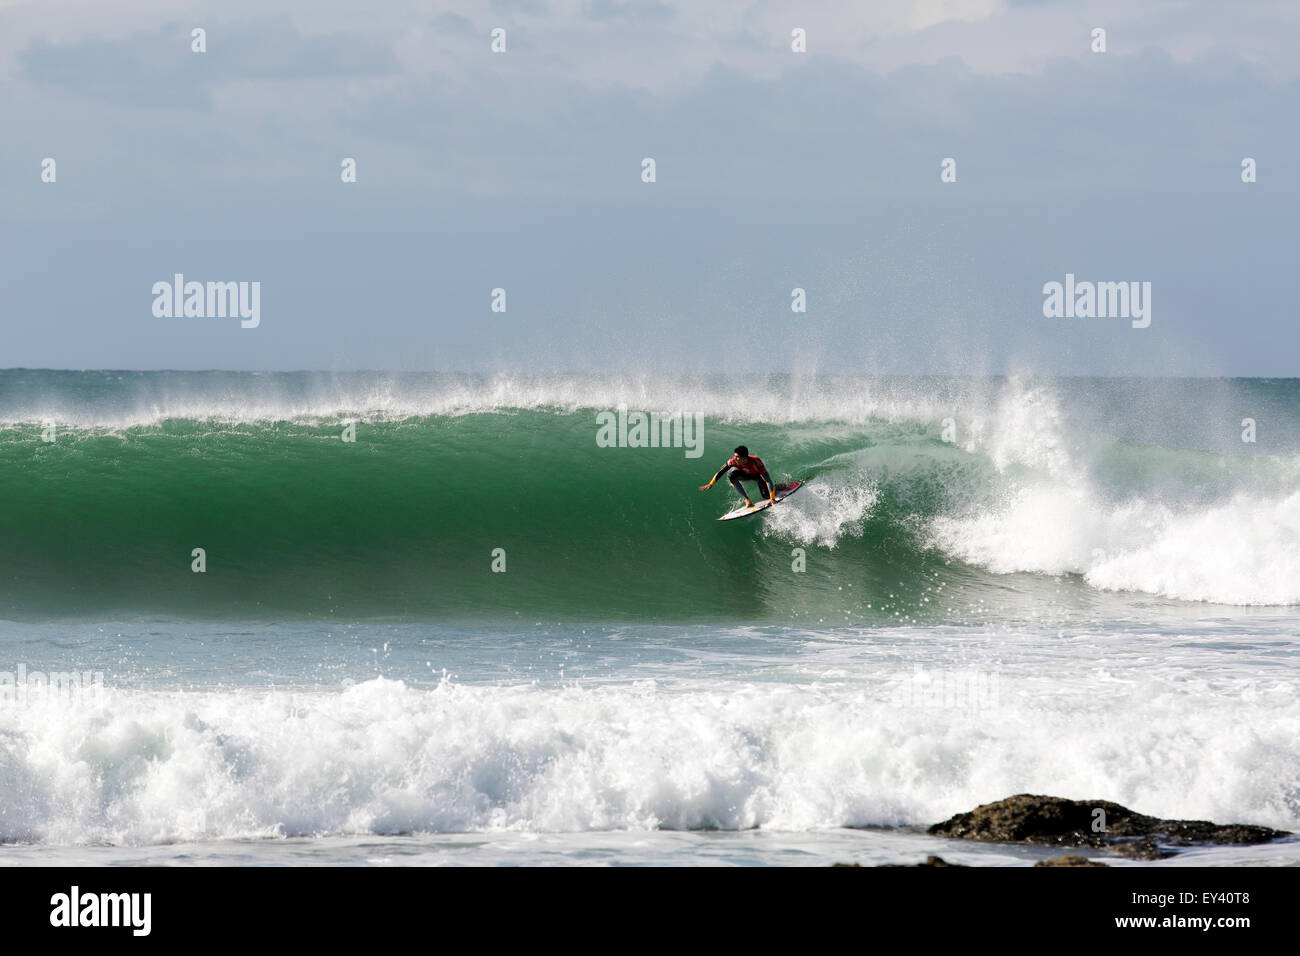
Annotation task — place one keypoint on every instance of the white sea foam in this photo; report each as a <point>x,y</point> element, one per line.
<point>828,510</point>
<point>1050,516</point>
<point>148,768</point>
<point>1243,551</point>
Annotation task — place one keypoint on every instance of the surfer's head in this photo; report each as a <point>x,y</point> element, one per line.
<point>742,451</point>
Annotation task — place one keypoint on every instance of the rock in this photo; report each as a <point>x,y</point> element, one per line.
<point>1032,819</point>
<point>1070,861</point>
<point>929,861</point>
<point>1055,821</point>
<point>1143,849</point>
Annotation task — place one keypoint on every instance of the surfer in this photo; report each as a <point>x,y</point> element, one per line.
<point>747,468</point>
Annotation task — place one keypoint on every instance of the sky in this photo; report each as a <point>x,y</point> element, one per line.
<point>775,170</point>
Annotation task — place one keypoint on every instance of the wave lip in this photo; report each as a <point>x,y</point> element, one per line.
<point>119,400</point>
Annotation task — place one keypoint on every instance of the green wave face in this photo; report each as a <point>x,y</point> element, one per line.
<point>1057,499</point>
<point>404,522</point>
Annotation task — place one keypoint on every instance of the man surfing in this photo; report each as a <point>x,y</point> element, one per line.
<point>747,468</point>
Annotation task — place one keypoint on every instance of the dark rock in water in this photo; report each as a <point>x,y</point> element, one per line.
<point>1143,849</point>
<point>1055,821</point>
<point>1070,861</point>
<point>929,861</point>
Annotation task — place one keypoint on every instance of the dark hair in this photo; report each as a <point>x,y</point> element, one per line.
<point>742,451</point>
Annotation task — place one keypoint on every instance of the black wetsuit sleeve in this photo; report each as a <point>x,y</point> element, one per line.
<point>721,471</point>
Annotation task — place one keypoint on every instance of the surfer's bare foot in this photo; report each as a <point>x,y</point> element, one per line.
<point>748,503</point>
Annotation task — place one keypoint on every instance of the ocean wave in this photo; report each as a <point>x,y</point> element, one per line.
<point>912,491</point>
<point>381,757</point>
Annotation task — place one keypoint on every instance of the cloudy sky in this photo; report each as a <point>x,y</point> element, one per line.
<point>775,170</point>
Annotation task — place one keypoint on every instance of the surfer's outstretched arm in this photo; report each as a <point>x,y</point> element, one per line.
<point>714,480</point>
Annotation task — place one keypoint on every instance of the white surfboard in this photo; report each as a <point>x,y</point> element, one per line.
<point>783,491</point>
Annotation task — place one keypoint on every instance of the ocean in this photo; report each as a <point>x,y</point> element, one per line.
<point>313,618</point>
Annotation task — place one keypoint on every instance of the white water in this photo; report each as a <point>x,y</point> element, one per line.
<point>1055,512</point>
<point>848,729</point>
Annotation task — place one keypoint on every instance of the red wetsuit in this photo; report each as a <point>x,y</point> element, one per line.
<point>751,469</point>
